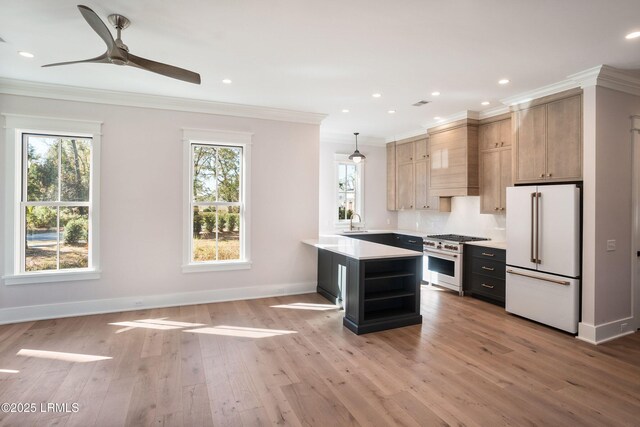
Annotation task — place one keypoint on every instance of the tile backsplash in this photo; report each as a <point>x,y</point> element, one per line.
<point>464,218</point>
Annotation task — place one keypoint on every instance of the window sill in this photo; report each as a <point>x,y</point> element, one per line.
<point>221,266</point>
<point>67,276</point>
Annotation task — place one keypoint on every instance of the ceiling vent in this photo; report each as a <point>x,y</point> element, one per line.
<point>421,103</point>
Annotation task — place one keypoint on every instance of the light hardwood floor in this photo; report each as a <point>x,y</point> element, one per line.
<point>250,363</point>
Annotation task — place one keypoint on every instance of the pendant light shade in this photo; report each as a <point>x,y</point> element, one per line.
<point>357,156</point>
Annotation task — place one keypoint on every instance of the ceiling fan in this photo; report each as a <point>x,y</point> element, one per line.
<point>118,53</point>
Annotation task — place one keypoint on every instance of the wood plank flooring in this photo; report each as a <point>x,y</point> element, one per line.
<point>289,361</point>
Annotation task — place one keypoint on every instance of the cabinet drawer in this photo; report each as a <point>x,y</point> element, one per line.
<point>488,267</point>
<point>488,286</point>
<point>409,242</point>
<point>484,252</point>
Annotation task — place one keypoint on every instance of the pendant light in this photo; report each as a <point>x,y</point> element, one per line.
<point>357,157</point>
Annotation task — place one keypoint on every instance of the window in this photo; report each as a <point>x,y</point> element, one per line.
<point>53,177</point>
<point>349,189</point>
<point>217,202</point>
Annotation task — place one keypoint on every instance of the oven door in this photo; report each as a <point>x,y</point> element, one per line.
<point>443,269</point>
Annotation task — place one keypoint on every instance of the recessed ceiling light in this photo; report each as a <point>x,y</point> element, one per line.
<point>503,81</point>
<point>436,118</point>
<point>25,54</point>
<point>376,95</point>
<point>633,35</point>
<point>391,111</point>
<point>485,103</point>
<point>226,81</point>
<point>345,110</point>
<point>436,93</point>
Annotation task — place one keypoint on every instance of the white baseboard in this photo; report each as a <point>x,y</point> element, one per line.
<point>111,305</point>
<point>598,334</point>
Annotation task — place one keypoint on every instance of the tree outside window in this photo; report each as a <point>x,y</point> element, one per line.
<point>56,202</point>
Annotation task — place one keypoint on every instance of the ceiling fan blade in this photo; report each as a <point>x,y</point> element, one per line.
<point>164,69</point>
<point>102,59</point>
<point>98,26</point>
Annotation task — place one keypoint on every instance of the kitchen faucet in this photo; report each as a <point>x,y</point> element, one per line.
<point>351,221</point>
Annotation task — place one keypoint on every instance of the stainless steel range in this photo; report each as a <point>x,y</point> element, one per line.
<point>443,259</point>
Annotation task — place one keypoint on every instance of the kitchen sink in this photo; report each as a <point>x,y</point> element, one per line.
<point>355,231</point>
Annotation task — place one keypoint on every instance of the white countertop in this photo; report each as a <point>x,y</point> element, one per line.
<point>489,244</point>
<point>359,249</point>
<point>367,231</point>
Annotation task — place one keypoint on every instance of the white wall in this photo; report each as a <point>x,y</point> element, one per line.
<point>376,215</point>
<point>606,285</point>
<point>141,212</point>
<point>464,218</point>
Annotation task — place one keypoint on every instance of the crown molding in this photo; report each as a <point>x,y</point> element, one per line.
<point>540,92</point>
<point>496,111</point>
<point>130,99</point>
<point>609,77</point>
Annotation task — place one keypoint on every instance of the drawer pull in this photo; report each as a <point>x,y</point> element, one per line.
<point>486,254</point>
<point>487,286</point>
<point>412,241</point>
<point>487,268</point>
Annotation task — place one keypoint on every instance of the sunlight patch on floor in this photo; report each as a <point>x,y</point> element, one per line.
<point>58,355</point>
<point>136,324</point>
<point>9,371</point>
<point>164,321</point>
<point>239,331</point>
<point>307,306</point>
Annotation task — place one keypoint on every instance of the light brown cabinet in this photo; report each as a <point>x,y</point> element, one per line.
<point>453,150</point>
<point>391,176</point>
<point>404,152</point>
<point>424,199</point>
<point>548,139</point>
<point>405,186</point>
<point>495,135</point>
<point>495,177</point>
<point>408,167</point>
<point>495,164</point>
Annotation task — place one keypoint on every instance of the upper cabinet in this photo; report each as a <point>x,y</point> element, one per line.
<point>391,176</point>
<point>404,152</point>
<point>453,150</point>
<point>494,137</point>
<point>548,139</point>
<point>408,173</point>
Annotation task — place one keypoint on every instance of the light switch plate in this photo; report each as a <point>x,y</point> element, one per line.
<point>611,245</point>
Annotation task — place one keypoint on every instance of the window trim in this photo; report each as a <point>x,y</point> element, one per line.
<point>216,137</point>
<point>15,126</point>
<point>344,158</point>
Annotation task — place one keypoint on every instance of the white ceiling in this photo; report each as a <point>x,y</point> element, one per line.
<point>323,56</point>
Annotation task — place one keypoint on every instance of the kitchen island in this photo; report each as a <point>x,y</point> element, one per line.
<point>378,285</point>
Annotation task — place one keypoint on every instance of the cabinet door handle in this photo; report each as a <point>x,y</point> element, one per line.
<point>496,144</point>
<point>486,254</point>
<point>487,268</point>
<point>549,175</point>
<point>427,155</point>
<point>428,207</point>
<point>410,158</point>
<point>501,209</point>
<point>487,286</point>
<point>541,175</point>
<point>502,144</point>
<point>495,209</point>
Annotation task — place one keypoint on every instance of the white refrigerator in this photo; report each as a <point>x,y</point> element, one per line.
<point>543,254</point>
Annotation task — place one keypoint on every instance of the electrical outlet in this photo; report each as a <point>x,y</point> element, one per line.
<point>388,221</point>
<point>611,245</point>
<point>137,303</point>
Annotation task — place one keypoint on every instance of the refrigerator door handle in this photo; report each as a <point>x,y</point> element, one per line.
<point>538,197</point>
<point>533,197</point>
<point>558,282</point>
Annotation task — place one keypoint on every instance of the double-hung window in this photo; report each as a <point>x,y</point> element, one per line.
<point>349,189</point>
<point>216,229</point>
<point>52,179</point>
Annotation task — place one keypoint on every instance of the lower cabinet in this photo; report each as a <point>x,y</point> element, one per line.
<point>484,273</point>
<point>332,271</point>
<point>382,294</point>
